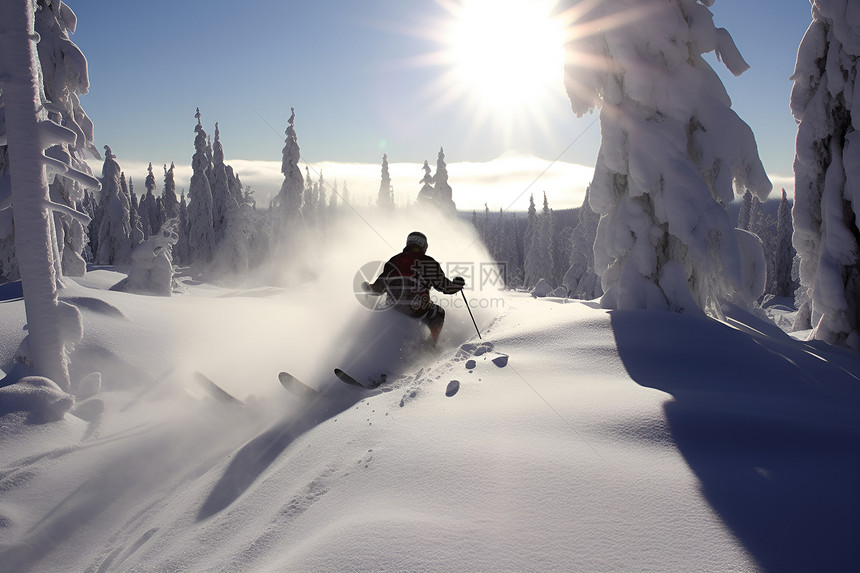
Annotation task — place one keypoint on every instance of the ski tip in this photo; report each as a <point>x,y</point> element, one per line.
<point>344,377</point>
<point>293,384</point>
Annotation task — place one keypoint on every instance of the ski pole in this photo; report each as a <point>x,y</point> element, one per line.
<point>470,314</point>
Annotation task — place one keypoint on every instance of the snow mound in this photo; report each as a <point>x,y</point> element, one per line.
<point>37,397</point>
<point>541,289</point>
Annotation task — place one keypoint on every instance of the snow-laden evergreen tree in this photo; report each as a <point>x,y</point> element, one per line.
<point>762,226</point>
<point>316,195</point>
<point>36,141</point>
<point>497,236</point>
<point>826,208</point>
<point>385,196</point>
<point>114,244</point>
<point>580,279</point>
<point>62,75</point>
<point>538,262</point>
<point>485,228</point>
<point>308,197</point>
<point>149,213</point>
<point>137,236</point>
<point>322,207</point>
<point>531,224</point>
<point>671,155</point>
<point>561,247</point>
<point>201,239</point>
<point>220,187</point>
<point>443,194</point>
<point>510,252</point>
<point>171,204</point>
<point>332,202</point>
<point>427,194</point>
<point>234,250</point>
<point>289,198</point>
<point>182,251</point>
<point>784,284</point>
<point>152,270</point>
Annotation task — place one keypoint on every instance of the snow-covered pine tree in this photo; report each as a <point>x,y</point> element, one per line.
<point>443,195</point>
<point>316,196</point>
<point>290,196</point>
<point>497,236</point>
<point>220,189</point>
<point>385,197</point>
<point>671,155</point>
<point>427,194</point>
<point>538,262</point>
<point>200,231</point>
<point>64,76</point>
<point>531,225</point>
<point>561,251</point>
<point>62,70</point>
<point>485,228</point>
<point>137,236</point>
<point>149,215</point>
<point>580,279</point>
<point>114,244</point>
<point>152,269</point>
<point>234,256</point>
<point>181,250</point>
<point>826,209</point>
<point>171,204</point>
<point>345,195</point>
<point>510,252</point>
<point>322,206</point>
<point>784,285</point>
<point>31,124</point>
<point>332,202</point>
<point>762,225</point>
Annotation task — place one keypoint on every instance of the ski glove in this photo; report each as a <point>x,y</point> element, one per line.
<point>459,281</point>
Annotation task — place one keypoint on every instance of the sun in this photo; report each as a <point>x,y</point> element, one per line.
<point>504,55</point>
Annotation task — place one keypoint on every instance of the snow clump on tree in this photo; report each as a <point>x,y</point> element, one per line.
<point>826,211</point>
<point>672,154</point>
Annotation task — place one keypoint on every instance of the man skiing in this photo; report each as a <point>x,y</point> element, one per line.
<point>406,280</point>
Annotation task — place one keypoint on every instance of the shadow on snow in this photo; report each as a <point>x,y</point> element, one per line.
<point>769,425</point>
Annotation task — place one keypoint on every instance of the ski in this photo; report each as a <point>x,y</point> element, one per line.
<point>344,377</point>
<point>215,390</point>
<point>296,386</point>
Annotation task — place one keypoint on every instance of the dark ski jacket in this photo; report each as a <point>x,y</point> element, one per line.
<point>407,278</point>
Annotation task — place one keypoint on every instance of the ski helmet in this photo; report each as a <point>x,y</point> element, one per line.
<point>417,239</point>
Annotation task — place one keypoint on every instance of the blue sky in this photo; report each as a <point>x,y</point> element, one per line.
<point>354,73</point>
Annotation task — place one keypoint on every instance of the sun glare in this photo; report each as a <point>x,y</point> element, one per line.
<point>506,53</point>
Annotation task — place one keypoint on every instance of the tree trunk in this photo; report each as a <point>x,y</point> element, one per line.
<point>33,236</point>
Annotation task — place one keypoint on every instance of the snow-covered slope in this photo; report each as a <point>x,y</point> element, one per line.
<point>567,438</point>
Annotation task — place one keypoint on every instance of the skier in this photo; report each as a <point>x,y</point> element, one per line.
<point>406,280</point>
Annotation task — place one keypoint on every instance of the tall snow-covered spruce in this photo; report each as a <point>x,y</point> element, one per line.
<point>290,196</point>
<point>32,126</point>
<point>114,232</point>
<point>672,154</point>
<point>826,212</point>
<point>385,197</point>
<point>200,221</point>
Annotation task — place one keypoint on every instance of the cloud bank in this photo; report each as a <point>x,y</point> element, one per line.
<point>505,182</point>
